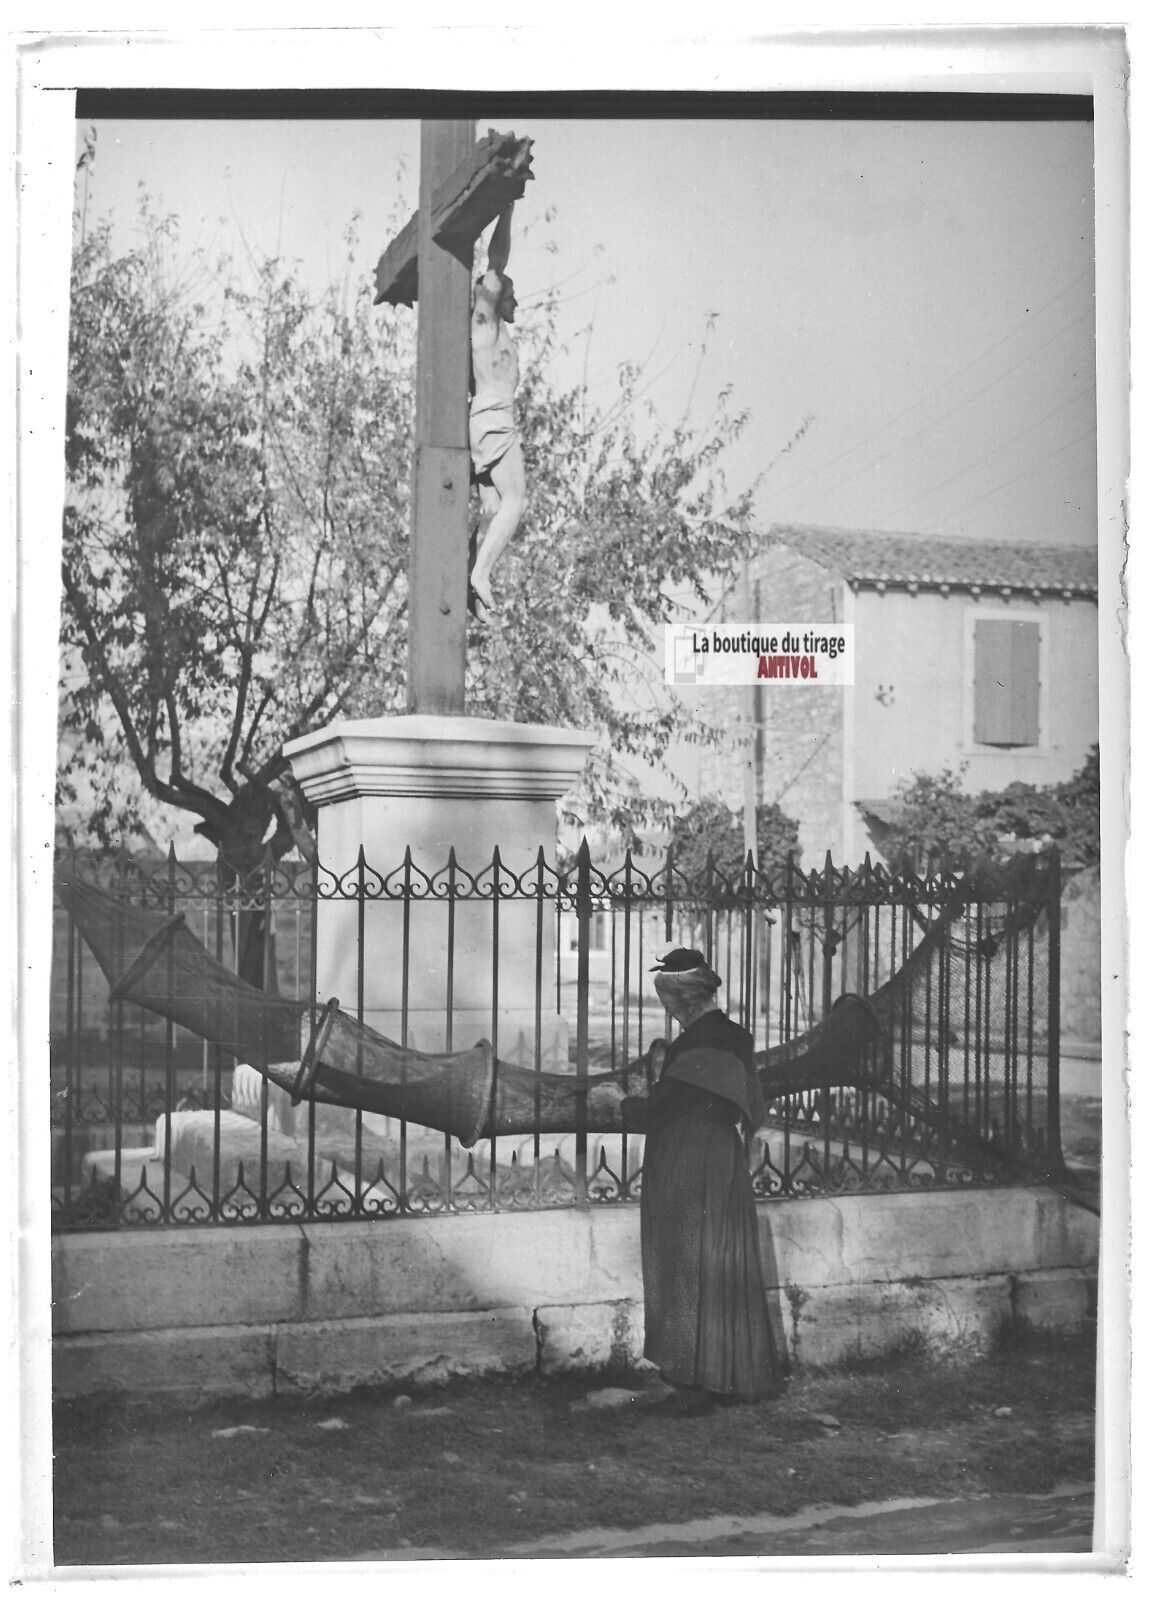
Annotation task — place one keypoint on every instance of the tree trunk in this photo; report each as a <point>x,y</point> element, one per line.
<point>245,868</point>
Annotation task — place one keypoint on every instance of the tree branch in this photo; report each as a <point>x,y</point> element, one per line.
<point>185,796</point>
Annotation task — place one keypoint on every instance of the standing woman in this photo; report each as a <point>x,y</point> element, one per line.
<point>705,1306</point>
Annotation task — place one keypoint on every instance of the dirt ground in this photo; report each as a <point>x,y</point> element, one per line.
<point>486,1469</point>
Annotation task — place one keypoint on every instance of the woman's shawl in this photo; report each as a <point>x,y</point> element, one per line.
<point>716,1055</point>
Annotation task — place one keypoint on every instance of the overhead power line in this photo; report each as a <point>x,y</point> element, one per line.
<point>1023,472</point>
<point>937,422</point>
<point>992,455</point>
<point>820,468</point>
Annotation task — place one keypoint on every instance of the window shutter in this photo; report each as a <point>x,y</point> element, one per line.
<point>1006,686</point>
<point>1024,682</point>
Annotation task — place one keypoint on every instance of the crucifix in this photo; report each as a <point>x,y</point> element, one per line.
<point>463,186</point>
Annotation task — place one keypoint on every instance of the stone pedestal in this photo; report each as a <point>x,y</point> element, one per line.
<point>432,784</point>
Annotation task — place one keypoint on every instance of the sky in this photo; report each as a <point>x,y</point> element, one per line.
<point>919,294</point>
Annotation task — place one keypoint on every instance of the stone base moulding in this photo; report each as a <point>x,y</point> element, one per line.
<point>261,1310</point>
<point>437,784</point>
<point>430,757</point>
<point>421,1350</point>
<point>408,1350</point>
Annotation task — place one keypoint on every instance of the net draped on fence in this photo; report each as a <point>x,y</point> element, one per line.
<point>906,1032</point>
<point>157,962</point>
<point>962,975</point>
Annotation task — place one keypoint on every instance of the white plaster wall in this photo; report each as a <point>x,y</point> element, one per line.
<point>916,649</point>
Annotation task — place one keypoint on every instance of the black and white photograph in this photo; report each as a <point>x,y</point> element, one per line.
<point>572,722</point>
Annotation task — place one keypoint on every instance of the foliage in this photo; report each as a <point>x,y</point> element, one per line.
<point>937,815</point>
<point>233,534</point>
<point>934,814</point>
<point>235,543</point>
<point>617,515</point>
<point>711,830</point>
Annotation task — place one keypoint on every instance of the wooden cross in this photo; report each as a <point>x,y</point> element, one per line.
<point>463,186</point>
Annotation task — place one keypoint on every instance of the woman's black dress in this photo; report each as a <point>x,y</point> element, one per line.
<point>705,1308</point>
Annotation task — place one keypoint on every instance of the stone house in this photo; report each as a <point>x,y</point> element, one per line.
<point>968,654</point>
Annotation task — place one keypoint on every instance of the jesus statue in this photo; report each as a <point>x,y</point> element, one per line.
<point>496,450</point>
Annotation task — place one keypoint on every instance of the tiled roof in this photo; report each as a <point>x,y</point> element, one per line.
<point>903,560</point>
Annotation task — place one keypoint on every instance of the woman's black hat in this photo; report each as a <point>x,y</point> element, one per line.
<point>680,960</point>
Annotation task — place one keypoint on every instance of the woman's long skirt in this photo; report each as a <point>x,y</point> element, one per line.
<point>705,1308</point>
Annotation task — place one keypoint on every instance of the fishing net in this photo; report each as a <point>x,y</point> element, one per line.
<point>881,1042</point>
<point>965,1019</point>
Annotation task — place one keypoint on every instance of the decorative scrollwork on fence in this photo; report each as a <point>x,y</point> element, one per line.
<point>968,1094</point>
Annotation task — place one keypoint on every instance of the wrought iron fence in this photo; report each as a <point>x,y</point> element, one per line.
<point>152,1124</point>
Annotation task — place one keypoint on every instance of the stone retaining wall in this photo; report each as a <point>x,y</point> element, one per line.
<point>262,1310</point>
